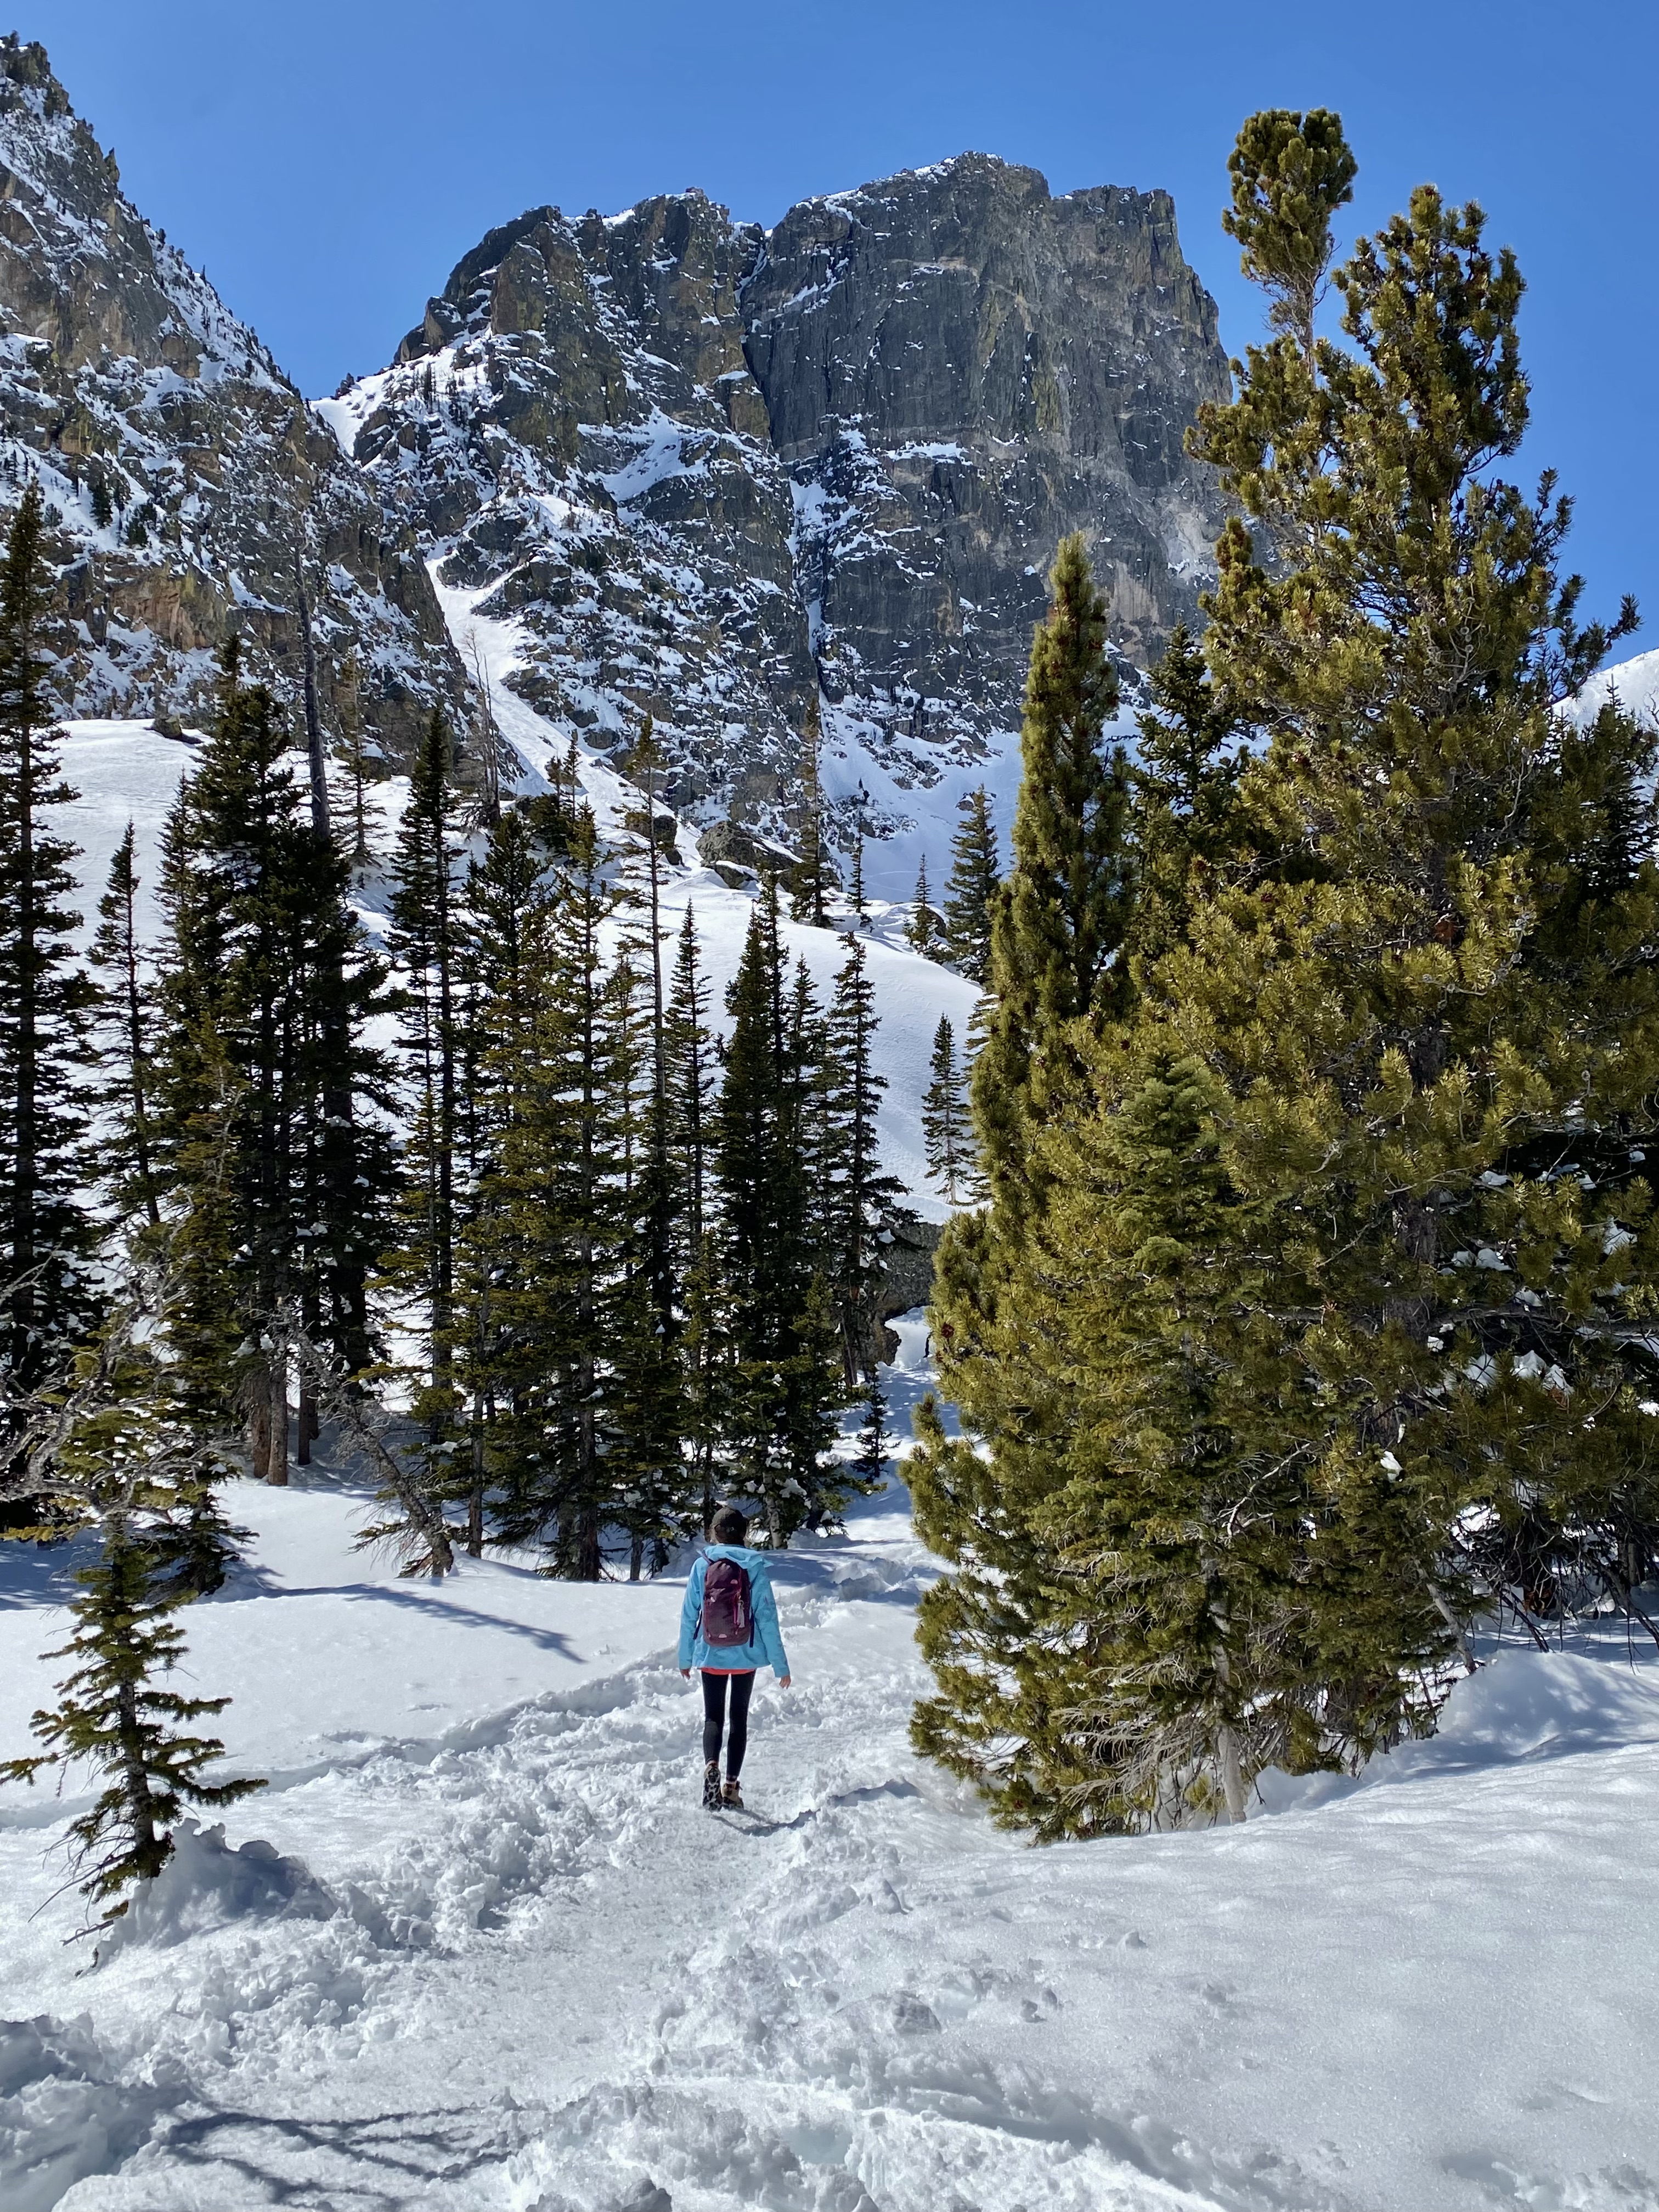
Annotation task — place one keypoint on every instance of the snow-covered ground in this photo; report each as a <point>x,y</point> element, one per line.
<point>479,1946</point>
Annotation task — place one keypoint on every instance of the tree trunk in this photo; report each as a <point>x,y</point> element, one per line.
<point>258,1427</point>
<point>317,759</point>
<point>309,1428</point>
<point>1232,1780</point>
<point>276,1460</point>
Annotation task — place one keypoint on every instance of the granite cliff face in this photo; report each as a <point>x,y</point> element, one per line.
<point>711,470</point>
<point>573,432</point>
<point>958,369</point>
<point>661,462</point>
<point>182,472</point>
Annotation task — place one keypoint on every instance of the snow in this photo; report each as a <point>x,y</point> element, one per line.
<point>478,1946</point>
<point>1634,682</point>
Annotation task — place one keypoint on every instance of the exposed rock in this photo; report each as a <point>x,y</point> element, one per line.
<point>181,470</point>
<point>709,470</point>
<point>711,474</point>
<point>959,370</point>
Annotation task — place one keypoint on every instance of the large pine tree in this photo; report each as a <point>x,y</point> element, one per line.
<point>426,938</point>
<point>971,889</point>
<point>126,1018</point>
<point>1329,1326</point>
<point>776,1249</point>
<point>277,1185</point>
<point>865,1200</point>
<point>48,1294</point>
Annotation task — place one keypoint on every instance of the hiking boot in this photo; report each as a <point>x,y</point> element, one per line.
<point>711,1786</point>
<point>731,1795</point>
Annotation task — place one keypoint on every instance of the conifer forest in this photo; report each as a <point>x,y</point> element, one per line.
<point>1158,1243</point>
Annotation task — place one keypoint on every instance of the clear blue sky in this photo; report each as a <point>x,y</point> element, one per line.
<point>329,163</point>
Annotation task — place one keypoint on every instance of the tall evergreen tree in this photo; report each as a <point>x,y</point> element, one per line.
<point>971,887</point>
<point>351,751</point>
<point>921,931</point>
<point>126,1015</point>
<point>1328,1334</point>
<point>651,1429</point>
<point>866,1202</point>
<point>565,1207</point>
<point>47,1296</point>
<point>507,895</point>
<point>1058,921</point>
<point>946,1126</point>
<point>785,1383</point>
<point>426,940</point>
<point>705,1341</point>
<point>813,876</point>
<point>1057,977</point>
<point>266,991</point>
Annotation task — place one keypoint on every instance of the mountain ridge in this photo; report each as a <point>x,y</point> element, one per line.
<point>716,473</point>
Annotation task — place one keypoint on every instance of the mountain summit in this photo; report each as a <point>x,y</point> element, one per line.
<point>714,470</point>
<point>700,470</point>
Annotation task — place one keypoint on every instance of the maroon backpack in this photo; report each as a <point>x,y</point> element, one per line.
<point>728,1614</point>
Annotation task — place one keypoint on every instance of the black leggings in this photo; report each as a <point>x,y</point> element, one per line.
<point>713,1719</point>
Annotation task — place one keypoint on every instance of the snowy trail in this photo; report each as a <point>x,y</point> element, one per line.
<point>546,1979</point>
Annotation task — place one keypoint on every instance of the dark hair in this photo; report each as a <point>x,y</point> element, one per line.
<point>728,1526</point>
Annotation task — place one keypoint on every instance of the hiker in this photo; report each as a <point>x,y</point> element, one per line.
<point>729,1627</point>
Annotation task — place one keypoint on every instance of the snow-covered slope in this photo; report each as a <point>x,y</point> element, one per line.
<point>1634,682</point>
<point>478,1948</point>
<point>124,771</point>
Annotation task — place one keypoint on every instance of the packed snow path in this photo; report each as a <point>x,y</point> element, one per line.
<point>510,1963</point>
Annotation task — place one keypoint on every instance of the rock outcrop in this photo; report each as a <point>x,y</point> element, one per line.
<point>707,472</point>
<point>958,369</point>
<point>711,470</point>
<point>183,473</point>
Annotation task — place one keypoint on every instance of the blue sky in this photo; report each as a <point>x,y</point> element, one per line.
<point>328,164</point>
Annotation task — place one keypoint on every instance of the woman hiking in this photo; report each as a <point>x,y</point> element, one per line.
<point>729,1627</point>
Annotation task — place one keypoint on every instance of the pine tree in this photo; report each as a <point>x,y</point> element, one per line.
<point>126,1015</point>
<point>644,1384</point>
<point>921,931</point>
<point>813,876</point>
<point>870,1464</point>
<point>946,1127</point>
<point>266,990</point>
<point>425,938</point>
<point>352,754</point>
<point>866,1203</point>
<point>705,1348</point>
<point>775,1259</point>
<point>1327,1345</point>
<point>971,887</point>
<point>115,1440</point>
<point>1058,928</point>
<point>47,1296</point>
<point>507,895</point>
<point>1058,922</point>
<point>564,1206</point>
<point>855,896</point>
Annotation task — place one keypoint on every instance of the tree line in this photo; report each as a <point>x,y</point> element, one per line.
<point>560,1263</point>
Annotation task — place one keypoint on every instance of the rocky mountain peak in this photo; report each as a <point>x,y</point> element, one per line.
<point>686,466</point>
<point>711,471</point>
<point>183,474</point>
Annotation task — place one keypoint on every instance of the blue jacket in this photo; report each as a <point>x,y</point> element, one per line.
<point>763,1649</point>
